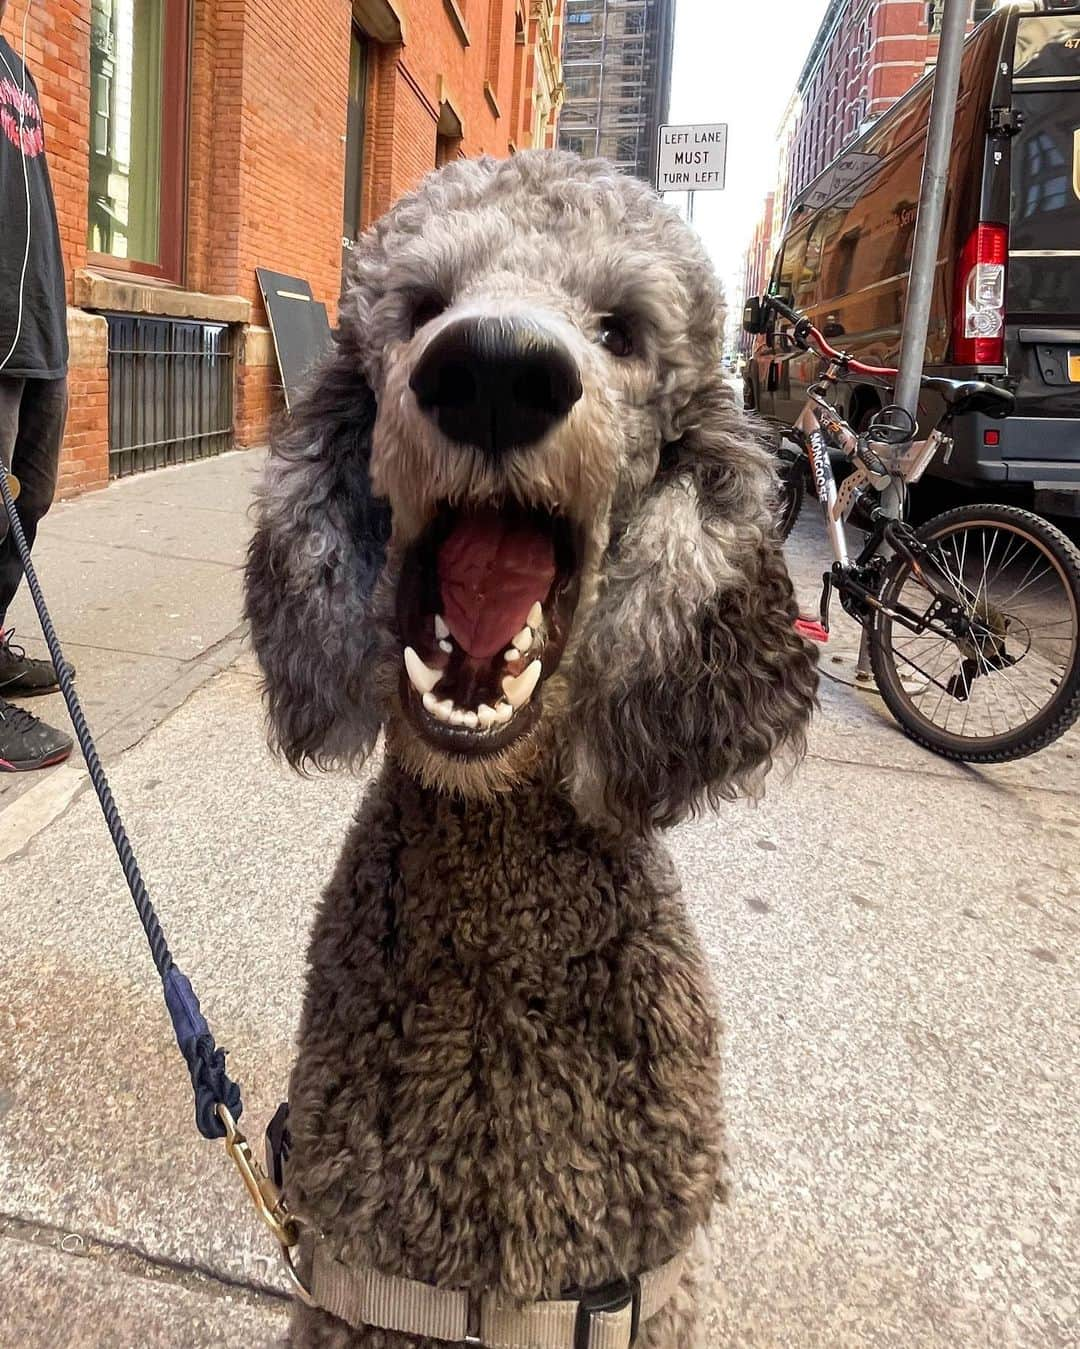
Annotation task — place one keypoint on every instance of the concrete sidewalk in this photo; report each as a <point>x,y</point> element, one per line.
<point>143,584</point>
<point>893,939</point>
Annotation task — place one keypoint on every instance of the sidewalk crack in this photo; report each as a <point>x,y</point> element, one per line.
<point>132,1261</point>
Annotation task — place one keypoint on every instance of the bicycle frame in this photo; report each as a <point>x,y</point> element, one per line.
<point>984,637</point>
<point>819,425</point>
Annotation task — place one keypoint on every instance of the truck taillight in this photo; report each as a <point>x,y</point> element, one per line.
<point>979,318</point>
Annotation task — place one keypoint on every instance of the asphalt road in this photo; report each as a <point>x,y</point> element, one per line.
<point>894,940</point>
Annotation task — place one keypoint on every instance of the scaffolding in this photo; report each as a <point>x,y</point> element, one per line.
<point>617,76</point>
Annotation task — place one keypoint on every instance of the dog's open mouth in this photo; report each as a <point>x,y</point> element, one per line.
<point>484,609</point>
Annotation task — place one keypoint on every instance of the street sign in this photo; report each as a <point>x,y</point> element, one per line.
<point>692,158</point>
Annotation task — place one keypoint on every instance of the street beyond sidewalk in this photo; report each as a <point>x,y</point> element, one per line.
<point>893,940</point>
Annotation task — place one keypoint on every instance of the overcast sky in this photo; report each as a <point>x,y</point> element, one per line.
<point>737,61</point>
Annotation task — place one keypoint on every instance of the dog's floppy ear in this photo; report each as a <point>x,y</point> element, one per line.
<point>690,676</point>
<point>318,549</point>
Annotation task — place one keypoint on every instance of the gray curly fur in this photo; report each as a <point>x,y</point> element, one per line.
<point>507,1071</point>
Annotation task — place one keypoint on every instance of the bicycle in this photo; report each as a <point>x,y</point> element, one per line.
<point>972,619</point>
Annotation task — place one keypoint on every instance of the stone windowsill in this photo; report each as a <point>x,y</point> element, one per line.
<point>384,20</point>
<point>492,101</point>
<point>92,290</point>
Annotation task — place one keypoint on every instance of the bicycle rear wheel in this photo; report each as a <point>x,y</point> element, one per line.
<point>999,678</point>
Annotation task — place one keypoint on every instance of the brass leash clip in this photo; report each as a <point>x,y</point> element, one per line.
<point>267,1198</point>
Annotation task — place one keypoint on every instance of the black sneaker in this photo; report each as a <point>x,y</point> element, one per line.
<point>27,743</point>
<point>22,674</point>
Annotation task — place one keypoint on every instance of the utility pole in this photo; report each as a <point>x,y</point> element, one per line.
<point>935,181</point>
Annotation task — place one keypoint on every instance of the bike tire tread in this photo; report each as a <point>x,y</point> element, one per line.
<point>1069,710</point>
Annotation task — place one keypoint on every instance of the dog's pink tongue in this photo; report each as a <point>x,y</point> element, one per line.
<point>491,573</point>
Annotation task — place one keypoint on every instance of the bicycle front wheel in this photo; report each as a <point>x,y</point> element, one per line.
<point>996,674</point>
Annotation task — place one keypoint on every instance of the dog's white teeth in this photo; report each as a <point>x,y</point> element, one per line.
<point>430,703</point>
<point>486,716</point>
<point>471,720</point>
<point>511,654</point>
<point>503,713</point>
<point>441,629</point>
<point>444,710</point>
<point>536,616</point>
<point>446,646</point>
<point>524,640</point>
<point>520,688</point>
<point>422,677</point>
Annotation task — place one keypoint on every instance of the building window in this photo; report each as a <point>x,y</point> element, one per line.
<point>583,84</point>
<point>355,137</point>
<point>981,9</point>
<point>138,118</point>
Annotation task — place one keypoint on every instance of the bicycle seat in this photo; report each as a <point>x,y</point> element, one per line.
<point>971,395</point>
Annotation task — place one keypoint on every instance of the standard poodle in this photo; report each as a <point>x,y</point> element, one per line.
<point>522,527</point>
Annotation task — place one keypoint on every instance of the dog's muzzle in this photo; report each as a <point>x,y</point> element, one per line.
<point>496,384</point>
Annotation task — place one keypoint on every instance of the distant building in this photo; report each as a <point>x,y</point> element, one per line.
<point>617,73</point>
<point>785,139</point>
<point>866,55</point>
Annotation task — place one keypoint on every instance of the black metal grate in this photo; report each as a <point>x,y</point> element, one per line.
<point>170,392</point>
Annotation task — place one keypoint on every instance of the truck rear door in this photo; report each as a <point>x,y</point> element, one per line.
<point>1043,298</point>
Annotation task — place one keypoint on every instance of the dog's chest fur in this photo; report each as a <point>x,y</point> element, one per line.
<point>507,1068</point>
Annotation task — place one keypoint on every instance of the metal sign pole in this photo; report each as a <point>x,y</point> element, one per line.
<point>931,203</point>
<point>935,180</point>
<point>690,207</point>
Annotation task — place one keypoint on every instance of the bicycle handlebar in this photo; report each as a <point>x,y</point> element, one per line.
<point>805,335</point>
<point>784,310</point>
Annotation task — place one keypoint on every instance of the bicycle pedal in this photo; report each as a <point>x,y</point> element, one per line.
<point>811,630</point>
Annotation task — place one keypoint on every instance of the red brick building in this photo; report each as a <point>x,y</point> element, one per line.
<point>866,55</point>
<point>191,141</point>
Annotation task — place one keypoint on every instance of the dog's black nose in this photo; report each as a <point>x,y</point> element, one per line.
<point>496,383</point>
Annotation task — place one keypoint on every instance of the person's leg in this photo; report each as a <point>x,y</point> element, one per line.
<point>11,392</point>
<point>25,742</point>
<point>34,458</point>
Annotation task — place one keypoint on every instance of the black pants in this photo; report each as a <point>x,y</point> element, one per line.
<point>32,416</point>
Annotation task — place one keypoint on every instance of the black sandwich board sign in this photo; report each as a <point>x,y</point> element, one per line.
<point>300,327</point>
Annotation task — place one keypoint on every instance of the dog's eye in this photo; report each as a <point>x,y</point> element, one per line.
<point>615,334</point>
<point>426,310</point>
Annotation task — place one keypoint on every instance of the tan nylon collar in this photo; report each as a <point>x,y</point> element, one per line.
<point>364,1297</point>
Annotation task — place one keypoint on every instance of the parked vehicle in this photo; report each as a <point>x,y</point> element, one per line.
<point>1006,303</point>
<point>972,620</point>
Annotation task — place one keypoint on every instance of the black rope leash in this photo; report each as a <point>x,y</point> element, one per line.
<point>206,1063</point>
